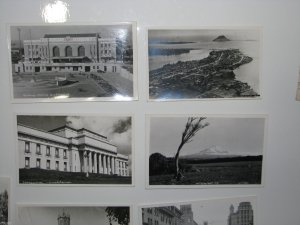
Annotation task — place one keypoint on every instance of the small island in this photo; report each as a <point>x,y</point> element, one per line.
<point>221,38</point>
<point>211,77</point>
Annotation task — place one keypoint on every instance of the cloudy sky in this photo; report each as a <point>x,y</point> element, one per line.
<point>203,34</point>
<point>117,129</point>
<point>49,215</point>
<point>216,211</point>
<point>4,184</point>
<point>243,136</point>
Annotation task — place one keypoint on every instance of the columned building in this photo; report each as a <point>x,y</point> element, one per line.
<point>243,215</point>
<point>71,150</point>
<point>69,53</point>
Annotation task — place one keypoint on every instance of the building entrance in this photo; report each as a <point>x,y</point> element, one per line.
<point>87,68</point>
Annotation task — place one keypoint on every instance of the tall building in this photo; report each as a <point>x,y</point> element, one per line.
<point>71,150</point>
<point>64,219</point>
<point>86,52</point>
<point>243,215</point>
<point>187,215</point>
<point>169,215</point>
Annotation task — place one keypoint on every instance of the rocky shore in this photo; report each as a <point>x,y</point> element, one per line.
<point>211,77</point>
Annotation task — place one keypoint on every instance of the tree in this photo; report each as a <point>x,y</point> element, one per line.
<point>118,214</point>
<point>192,126</point>
<point>4,206</point>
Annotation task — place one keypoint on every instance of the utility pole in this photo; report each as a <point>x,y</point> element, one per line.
<point>20,47</point>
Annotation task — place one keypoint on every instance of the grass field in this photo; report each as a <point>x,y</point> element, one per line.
<point>245,172</point>
<point>40,176</point>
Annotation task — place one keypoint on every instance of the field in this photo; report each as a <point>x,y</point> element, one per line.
<point>240,172</point>
<point>40,176</point>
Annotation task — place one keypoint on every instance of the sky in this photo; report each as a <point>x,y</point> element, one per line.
<point>117,128</point>
<point>216,211</point>
<point>4,184</point>
<point>48,215</point>
<point>203,34</point>
<point>241,136</point>
<point>37,32</point>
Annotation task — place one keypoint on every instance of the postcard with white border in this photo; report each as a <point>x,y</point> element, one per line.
<point>80,62</point>
<point>230,211</point>
<point>204,63</point>
<point>205,150</point>
<point>74,149</point>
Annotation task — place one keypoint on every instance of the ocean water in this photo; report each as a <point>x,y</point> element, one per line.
<point>248,73</point>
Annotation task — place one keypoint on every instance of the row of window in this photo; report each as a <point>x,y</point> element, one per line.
<point>105,45</point>
<point>48,164</point>
<point>48,150</point>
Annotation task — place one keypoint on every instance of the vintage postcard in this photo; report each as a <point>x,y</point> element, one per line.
<point>204,151</point>
<point>75,215</point>
<point>230,211</point>
<point>4,200</point>
<point>74,149</point>
<point>73,62</point>
<point>191,64</point>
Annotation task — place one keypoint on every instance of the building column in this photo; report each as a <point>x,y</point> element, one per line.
<point>108,165</point>
<point>100,164</point>
<point>104,164</point>
<point>113,165</point>
<point>95,163</point>
<point>85,161</point>
<point>90,162</point>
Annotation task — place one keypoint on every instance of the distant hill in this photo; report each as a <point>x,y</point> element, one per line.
<point>210,153</point>
<point>221,38</point>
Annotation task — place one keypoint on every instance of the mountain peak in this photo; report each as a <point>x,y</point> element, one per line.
<point>213,150</point>
<point>221,38</point>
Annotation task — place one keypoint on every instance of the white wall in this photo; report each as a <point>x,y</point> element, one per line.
<point>278,200</point>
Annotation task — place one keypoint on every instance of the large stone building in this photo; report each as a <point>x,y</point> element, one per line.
<point>71,150</point>
<point>169,215</point>
<point>86,52</point>
<point>243,215</point>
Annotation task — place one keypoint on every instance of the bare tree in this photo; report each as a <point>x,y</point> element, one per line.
<point>192,126</point>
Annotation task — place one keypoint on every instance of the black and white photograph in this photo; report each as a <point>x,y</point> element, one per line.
<point>80,150</point>
<point>298,87</point>
<point>205,151</point>
<point>195,64</point>
<point>73,215</point>
<point>227,211</point>
<point>4,201</point>
<point>73,62</point>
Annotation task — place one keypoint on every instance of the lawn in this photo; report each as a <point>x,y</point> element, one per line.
<point>244,172</point>
<point>40,176</point>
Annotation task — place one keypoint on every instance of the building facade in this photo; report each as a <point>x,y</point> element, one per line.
<point>243,215</point>
<point>69,53</point>
<point>70,150</point>
<point>169,215</point>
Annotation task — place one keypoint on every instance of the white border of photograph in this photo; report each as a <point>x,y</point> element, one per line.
<point>184,28</point>
<point>252,198</point>
<point>204,186</point>
<point>7,182</point>
<point>16,147</point>
<point>73,205</point>
<point>117,98</point>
